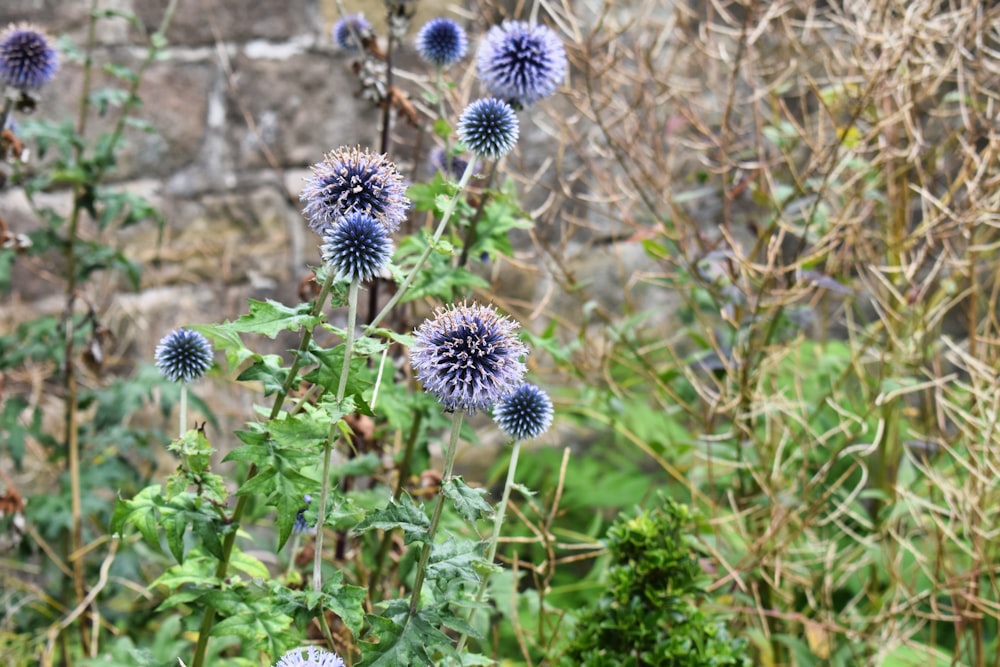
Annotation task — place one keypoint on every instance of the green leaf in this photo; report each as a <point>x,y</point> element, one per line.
<point>261,629</point>
<point>418,642</point>
<point>402,514</point>
<point>346,601</point>
<point>142,512</point>
<point>469,502</point>
<point>269,318</point>
<point>455,560</point>
<point>268,371</point>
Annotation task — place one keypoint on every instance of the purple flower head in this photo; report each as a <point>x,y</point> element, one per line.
<point>301,525</point>
<point>183,355</point>
<point>488,127</point>
<point>350,180</point>
<point>469,357</point>
<point>525,414</point>
<point>348,30</point>
<point>357,247</point>
<point>442,42</point>
<point>521,62</point>
<point>315,657</point>
<point>451,166</point>
<point>27,61</point>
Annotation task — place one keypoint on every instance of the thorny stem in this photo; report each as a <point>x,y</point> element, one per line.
<point>352,317</point>
<point>230,540</point>
<point>425,552</point>
<point>494,538</point>
<point>445,217</point>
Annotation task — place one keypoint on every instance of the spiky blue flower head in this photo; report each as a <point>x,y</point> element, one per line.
<point>442,42</point>
<point>183,355</point>
<point>357,247</point>
<point>351,28</point>
<point>315,657</point>
<point>525,414</point>
<point>451,166</point>
<point>469,357</point>
<point>350,180</point>
<point>521,62</point>
<point>488,127</point>
<point>27,61</point>
<point>301,525</point>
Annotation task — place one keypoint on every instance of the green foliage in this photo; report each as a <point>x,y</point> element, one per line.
<point>650,613</point>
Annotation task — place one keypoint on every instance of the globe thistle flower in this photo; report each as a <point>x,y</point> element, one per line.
<point>442,42</point>
<point>183,355</point>
<point>315,657</point>
<point>350,180</point>
<point>525,414</point>
<point>469,357</point>
<point>348,30</point>
<point>301,525</point>
<point>452,166</point>
<point>357,247</point>
<point>27,61</point>
<point>488,127</point>
<point>521,62</point>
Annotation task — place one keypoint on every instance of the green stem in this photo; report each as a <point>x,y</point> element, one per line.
<point>184,407</point>
<point>425,552</point>
<point>241,502</point>
<point>449,210</point>
<point>352,317</point>
<point>494,538</point>
<point>470,231</point>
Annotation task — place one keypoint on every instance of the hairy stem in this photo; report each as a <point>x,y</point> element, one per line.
<point>445,217</point>
<point>352,317</point>
<point>494,538</point>
<point>425,552</point>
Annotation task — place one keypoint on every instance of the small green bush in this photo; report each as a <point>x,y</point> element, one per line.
<point>649,615</point>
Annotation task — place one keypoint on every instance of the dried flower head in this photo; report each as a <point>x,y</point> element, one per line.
<point>469,357</point>
<point>183,355</point>
<point>351,28</point>
<point>27,61</point>
<point>525,414</point>
<point>521,62</point>
<point>357,247</point>
<point>315,657</point>
<point>488,127</point>
<point>442,42</point>
<point>350,180</point>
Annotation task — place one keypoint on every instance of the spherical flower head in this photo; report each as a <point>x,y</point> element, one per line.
<point>301,525</point>
<point>350,180</point>
<point>488,127</point>
<point>525,414</point>
<point>451,166</point>
<point>27,61</point>
<point>183,355</point>
<point>315,657</point>
<point>469,357</point>
<point>348,30</point>
<point>521,62</point>
<point>442,42</point>
<point>357,247</point>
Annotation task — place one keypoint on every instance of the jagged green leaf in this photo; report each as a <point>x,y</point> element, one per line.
<point>401,514</point>
<point>469,502</point>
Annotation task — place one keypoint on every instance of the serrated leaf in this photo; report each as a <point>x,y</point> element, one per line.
<point>455,560</point>
<point>268,371</point>
<point>269,318</point>
<point>402,514</point>
<point>143,513</point>
<point>417,642</point>
<point>346,601</point>
<point>260,629</point>
<point>244,562</point>
<point>469,502</point>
